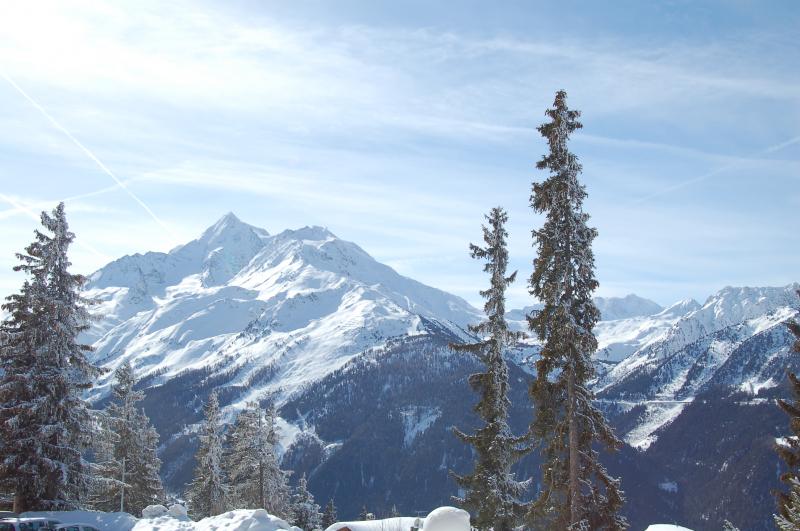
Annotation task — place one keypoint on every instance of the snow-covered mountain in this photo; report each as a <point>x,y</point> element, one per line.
<point>279,310</point>
<point>737,340</point>
<point>616,308</point>
<point>611,309</point>
<point>356,357</point>
<point>657,363</point>
<point>274,313</point>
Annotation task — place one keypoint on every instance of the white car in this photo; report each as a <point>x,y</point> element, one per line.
<point>27,524</point>
<point>75,527</point>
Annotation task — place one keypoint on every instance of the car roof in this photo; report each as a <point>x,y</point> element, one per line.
<point>14,519</point>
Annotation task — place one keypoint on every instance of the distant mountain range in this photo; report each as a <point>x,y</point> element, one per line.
<point>355,355</point>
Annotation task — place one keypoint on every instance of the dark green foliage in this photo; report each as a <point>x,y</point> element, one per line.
<point>789,450</point>
<point>305,511</point>
<point>329,517</point>
<point>45,424</point>
<point>208,493</point>
<point>789,519</point>
<point>576,490</point>
<point>251,465</point>
<point>492,494</point>
<point>127,470</point>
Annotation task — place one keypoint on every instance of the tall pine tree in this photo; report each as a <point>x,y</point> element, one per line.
<point>209,489</point>
<point>576,490</point>
<point>127,477</point>
<point>45,424</point>
<point>492,494</point>
<point>789,451</point>
<point>251,464</point>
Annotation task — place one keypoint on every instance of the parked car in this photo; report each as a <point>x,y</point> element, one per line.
<point>75,527</point>
<point>28,524</point>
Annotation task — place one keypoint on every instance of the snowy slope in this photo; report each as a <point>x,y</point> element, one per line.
<point>619,338</point>
<point>293,306</point>
<point>263,315</point>
<point>737,340</point>
<point>757,308</point>
<point>615,308</point>
<point>660,361</point>
<point>627,323</point>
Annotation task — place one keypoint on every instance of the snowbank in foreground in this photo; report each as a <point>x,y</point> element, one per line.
<point>447,519</point>
<point>390,524</point>
<point>102,521</point>
<point>666,527</point>
<point>441,519</point>
<point>241,520</point>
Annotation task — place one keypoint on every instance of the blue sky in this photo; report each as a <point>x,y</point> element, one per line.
<point>399,124</point>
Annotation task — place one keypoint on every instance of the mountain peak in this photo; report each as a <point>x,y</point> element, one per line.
<point>313,233</point>
<point>229,224</point>
<point>614,308</point>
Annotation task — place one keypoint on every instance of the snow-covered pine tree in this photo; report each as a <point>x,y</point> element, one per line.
<point>576,490</point>
<point>305,510</point>
<point>20,451</point>
<point>145,470</point>
<point>128,467</point>
<point>329,517</point>
<point>727,525</point>
<point>789,519</point>
<point>789,449</point>
<point>45,424</point>
<point>492,494</point>
<point>208,491</point>
<point>251,464</point>
<point>363,514</point>
<point>394,513</point>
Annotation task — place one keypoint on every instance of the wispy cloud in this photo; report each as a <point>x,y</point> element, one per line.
<point>105,169</point>
<point>36,216</point>
<point>397,137</point>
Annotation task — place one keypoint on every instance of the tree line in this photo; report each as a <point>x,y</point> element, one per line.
<point>57,453</point>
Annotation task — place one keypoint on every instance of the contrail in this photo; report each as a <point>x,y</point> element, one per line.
<point>66,200</point>
<point>19,206</point>
<point>86,150</point>
<point>721,169</point>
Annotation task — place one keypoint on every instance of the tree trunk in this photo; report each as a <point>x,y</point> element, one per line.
<point>574,482</point>
<point>20,505</point>
<point>261,485</point>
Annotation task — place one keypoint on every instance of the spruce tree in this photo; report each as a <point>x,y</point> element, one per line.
<point>789,450</point>
<point>329,517</point>
<point>20,450</point>
<point>208,491</point>
<point>364,513</point>
<point>492,494</point>
<point>128,467</point>
<point>44,422</point>
<point>305,510</point>
<point>576,490</point>
<point>251,464</point>
<point>789,519</point>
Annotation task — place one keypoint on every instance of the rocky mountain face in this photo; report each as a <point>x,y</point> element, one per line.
<point>355,356</point>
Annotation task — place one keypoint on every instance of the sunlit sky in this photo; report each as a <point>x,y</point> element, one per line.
<point>397,125</point>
